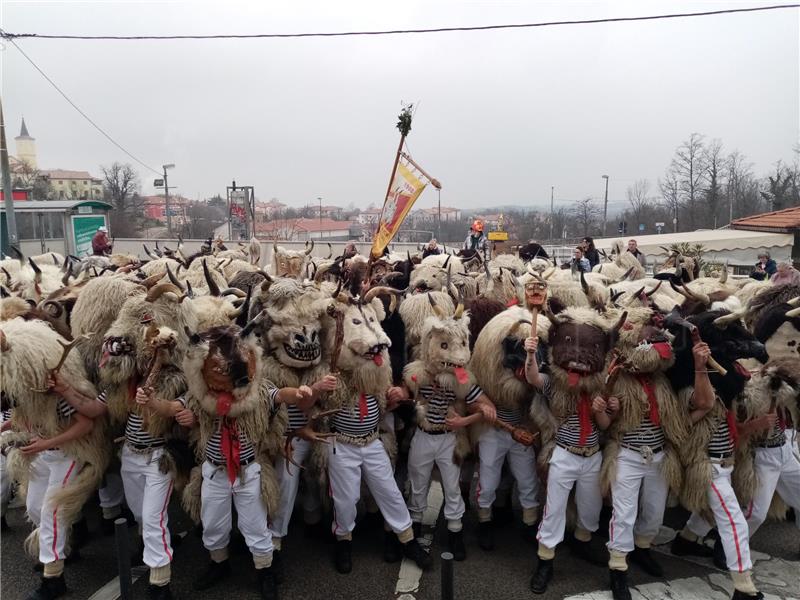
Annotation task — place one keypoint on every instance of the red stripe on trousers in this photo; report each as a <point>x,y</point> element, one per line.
<point>161,522</point>
<point>55,510</point>
<point>330,493</point>
<point>733,525</point>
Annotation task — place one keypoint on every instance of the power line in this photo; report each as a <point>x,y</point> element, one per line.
<point>83,114</point>
<point>12,36</point>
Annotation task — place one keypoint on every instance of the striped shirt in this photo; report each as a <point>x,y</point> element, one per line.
<point>569,434</point>
<point>247,451</point>
<point>135,433</point>
<point>776,435</point>
<point>721,442</point>
<point>297,418</point>
<point>647,434</point>
<point>6,415</point>
<point>65,409</point>
<point>440,399</point>
<point>512,416</point>
<point>348,421</point>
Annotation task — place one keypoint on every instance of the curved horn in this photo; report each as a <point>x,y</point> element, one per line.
<point>252,324</point>
<point>37,277</point>
<point>267,281</point>
<point>446,260</point>
<point>274,247</point>
<point>794,302</point>
<point>148,252</point>
<point>460,306</point>
<point>627,274</point>
<point>235,291</point>
<point>16,252</point>
<point>174,280</point>
<point>213,288</point>
<point>791,314</point>
<point>618,325</point>
<point>330,251</point>
<point>162,288</point>
<point>310,250</point>
<point>55,259</point>
<point>655,289</point>
<point>614,295</point>
<point>549,314</point>
<point>449,280</point>
<point>241,320</point>
<point>152,280</point>
<point>8,276</point>
<point>635,296</point>
<point>4,293</point>
<point>57,311</point>
<point>335,295</point>
<point>189,290</point>
<point>584,284</point>
<point>4,345</point>
<point>438,310</point>
<point>725,320</point>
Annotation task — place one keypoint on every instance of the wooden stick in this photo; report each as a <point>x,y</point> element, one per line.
<point>434,182</point>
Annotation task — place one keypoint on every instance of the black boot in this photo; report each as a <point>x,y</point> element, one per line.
<point>486,535</point>
<point>455,541</point>
<point>277,566</point>
<point>503,515</point>
<point>683,547</point>
<point>267,584</point>
<point>343,559</point>
<point>4,524</point>
<point>619,585</point>
<point>719,556</point>
<point>80,534</point>
<point>583,550</point>
<point>392,548</point>
<point>738,595</point>
<point>158,592</point>
<point>541,578</point>
<point>417,529</point>
<point>529,533</point>
<point>415,552</point>
<point>213,574</point>
<point>50,587</point>
<point>644,558</point>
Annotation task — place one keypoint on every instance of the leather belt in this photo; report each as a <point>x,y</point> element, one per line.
<point>433,431</point>
<point>641,449</point>
<point>585,451</point>
<point>719,455</point>
<point>242,463</point>
<point>775,444</point>
<point>143,448</point>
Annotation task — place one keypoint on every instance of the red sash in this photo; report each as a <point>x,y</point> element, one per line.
<point>585,417</point>
<point>229,436</point>
<point>650,389</point>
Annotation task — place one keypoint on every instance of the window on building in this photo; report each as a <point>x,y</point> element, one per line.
<point>60,183</point>
<point>26,226</point>
<point>53,225</point>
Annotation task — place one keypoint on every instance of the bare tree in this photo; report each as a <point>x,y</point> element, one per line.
<point>714,164</point>
<point>586,213</point>
<point>639,200</point>
<point>688,169</point>
<point>121,189</point>
<point>671,196</point>
<point>739,174</point>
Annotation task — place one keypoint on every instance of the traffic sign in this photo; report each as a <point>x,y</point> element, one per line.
<point>498,236</point>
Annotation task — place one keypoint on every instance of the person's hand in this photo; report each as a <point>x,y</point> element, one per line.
<point>613,404</point>
<point>185,418</point>
<point>326,384</point>
<point>701,353</point>
<point>143,397</point>
<point>764,422</point>
<point>455,421</point>
<point>56,383</point>
<point>35,445</point>
<point>531,344</point>
<point>488,411</point>
<point>304,397</point>
<point>395,395</point>
<point>599,405</point>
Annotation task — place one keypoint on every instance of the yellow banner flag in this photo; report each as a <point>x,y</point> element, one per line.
<point>404,191</point>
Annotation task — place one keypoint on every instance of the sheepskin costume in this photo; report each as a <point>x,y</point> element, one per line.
<point>30,349</point>
<point>643,389</point>
<point>207,356</point>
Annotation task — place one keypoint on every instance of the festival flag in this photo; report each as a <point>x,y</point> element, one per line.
<point>404,191</point>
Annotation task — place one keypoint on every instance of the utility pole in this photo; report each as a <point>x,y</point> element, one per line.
<point>166,199</point>
<point>319,199</point>
<point>439,217</point>
<point>11,219</point>
<point>605,206</point>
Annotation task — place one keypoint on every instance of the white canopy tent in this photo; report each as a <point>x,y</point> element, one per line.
<point>735,246</point>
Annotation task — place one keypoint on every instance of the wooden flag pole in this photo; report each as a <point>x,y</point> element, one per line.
<point>434,182</point>
<point>404,125</point>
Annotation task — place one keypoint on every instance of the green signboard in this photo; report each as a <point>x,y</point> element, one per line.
<point>83,230</point>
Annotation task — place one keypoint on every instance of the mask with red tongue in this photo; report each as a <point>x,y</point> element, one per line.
<point>377,359</point>
<point>664,349</point>
<point>461,375</point>
<point>104,359</point>
<point>573,378</point>
<point>744,373</point>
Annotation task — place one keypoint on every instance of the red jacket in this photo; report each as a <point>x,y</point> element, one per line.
<point>100,244</point>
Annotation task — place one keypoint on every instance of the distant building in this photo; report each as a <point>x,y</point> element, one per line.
<point>269,210</point>
<point>328,212</point>
<point>307,229</point>
<point>73,185</point>
<point>369,216</point>
<point>155,208</point>
<point>430,215</point>
<point>491,222</point>
<point>26,146</point>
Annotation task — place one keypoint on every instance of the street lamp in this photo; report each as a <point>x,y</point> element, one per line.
<point>319,199</point>
<point>166,197</point>
<point>605,206</point>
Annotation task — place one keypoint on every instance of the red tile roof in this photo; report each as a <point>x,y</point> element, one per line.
<point>786,221</point>
<point>303,224</point>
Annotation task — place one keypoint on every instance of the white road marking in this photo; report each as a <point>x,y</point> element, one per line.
<point>410,573</point>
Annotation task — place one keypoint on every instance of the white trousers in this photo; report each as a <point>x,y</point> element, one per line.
<point>639,496</point>
<point>777,469</point>
<point>148,491</point>
<point>289,483</point>
<point>494,446</point>
<point>50,471</point>
<point>731,524</point>
<point>215,509</point>
<point>346,465</point>
<point>111,494</point>
<point>567,469</point>
<point>427,449</point>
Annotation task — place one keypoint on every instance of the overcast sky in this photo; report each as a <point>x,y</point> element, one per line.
<point>502,115</point>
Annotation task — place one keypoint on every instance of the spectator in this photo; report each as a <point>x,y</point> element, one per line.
<point>431,248</point>
<point>350,250</point>
<point>764,268</point>
<point>786,273</point>
<point>101,246</point>
<point>633,248</point>
<point>590,252</point>
<point>476,240</point>
<point>580,261</point>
